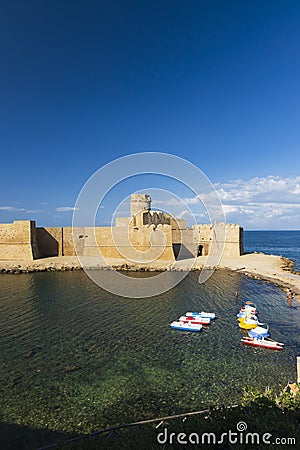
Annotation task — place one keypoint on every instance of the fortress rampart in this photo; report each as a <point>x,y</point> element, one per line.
<point>18,241</point>
<point>146,235</point>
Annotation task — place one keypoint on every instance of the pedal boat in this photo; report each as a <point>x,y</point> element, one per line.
<point>259,332</point>
<point>207,315</point>
<point>246,314</point>
<point>263,342</point>
<point>176,325</point>
<point>249,309</point>
<point>248,324</point>
<point>199,320</point>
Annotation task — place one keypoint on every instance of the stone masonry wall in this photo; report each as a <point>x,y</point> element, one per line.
<point>17,241</point>
<point>21,240</point>
<point>50,241</point>
<point>231,243</point>
<point>119,242</point>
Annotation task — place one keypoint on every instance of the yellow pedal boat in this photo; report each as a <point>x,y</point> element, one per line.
<point>247,324</point>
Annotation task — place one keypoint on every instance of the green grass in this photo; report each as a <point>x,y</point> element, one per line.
<point>275,413</point>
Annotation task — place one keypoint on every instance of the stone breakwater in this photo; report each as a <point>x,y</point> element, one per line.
<point>275,269</point>
<point>72,263</point>
<point>39,265</point>
<point>47,268</point>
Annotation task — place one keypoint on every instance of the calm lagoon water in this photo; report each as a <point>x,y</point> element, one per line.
<point>75,358</point>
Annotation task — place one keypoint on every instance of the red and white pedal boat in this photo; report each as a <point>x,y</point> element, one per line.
<point>262,342</point>
<point>196,320</point>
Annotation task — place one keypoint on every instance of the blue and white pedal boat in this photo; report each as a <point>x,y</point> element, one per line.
<point>259,332</point>
<point>176,325</point>
<point>248,315</point>
<point>249,307</point>
<point>203,314</point>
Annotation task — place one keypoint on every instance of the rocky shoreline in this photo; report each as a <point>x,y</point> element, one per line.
<point>12,269</point>
<point>275,269</point>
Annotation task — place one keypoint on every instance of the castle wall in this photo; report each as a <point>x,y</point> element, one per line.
<point>21,240</point>
<point>188,244</point>
<point>233,240</point>
<point>68,242</point>
<point>123,221</point>
<point>177,226</point>
<point>18,241</point>
<point>112,242</point>
<point>121,242</point>
<point>34,240</point>
<point>50,241</point>
<point>215,241</point>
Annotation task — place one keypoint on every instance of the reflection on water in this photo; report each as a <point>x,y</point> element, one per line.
<point>77,358</point>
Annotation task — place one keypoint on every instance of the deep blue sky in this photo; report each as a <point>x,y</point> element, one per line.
<point>85,82</point>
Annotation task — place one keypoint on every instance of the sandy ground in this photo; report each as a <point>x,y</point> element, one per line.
<point>258,265</point>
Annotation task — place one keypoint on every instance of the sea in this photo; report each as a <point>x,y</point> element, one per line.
<point>76,359</point>
<point>283,243</point>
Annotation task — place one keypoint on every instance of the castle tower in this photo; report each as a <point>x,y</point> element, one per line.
<point>139,202</point>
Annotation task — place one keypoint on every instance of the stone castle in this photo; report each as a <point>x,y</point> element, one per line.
<point>146,232</point>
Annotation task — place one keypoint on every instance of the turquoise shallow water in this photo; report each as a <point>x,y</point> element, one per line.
<point>75,358</point>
